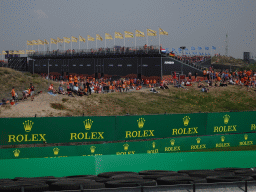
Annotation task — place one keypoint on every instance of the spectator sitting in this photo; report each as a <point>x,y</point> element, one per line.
<point>51,89</point>
<point>205,90</point>
<point>61,90</point>
<point>25,94</point>
<point>3,101</point>
<point>188,83</point>
<point>223,84</point>
<point>200,84</point>
<point>209,83</point>
<point>75,89</point>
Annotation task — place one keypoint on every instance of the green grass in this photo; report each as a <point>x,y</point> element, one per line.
<point>57,106</point>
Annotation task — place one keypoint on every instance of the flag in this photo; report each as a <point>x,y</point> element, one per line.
<point>98,37</point>
<point>53,41</point>
<point>176,52</point>
<point>35,42</point>
<point>139,33</point>
<point>206,48</point>
<point>151,32</point>
<point>74,39</point>
<point>213,47</point>
<point>90,38</point>
<point>108,36</point>
<point>180,49</point>
<point>162,32</point>
<point>59,40</point>
<point>66,39</point>
<point>128,34</point>
<point>10,52</point>
<point>186,53</point>
<point>193,48</point>
<point>4,53</point>
<point>118,35</point>
<point>46,42</point>
<point>81,38</point>
<point>40,42</point>
<point>21,52</point>
<point>199,48</point>
<point>186,49</point>
<point>29,43</point>
<point>173,49</point>
<point>163,50</point>
<point>172,54</point>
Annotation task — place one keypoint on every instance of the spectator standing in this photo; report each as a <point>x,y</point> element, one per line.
<point>88,88</point>
<point>32,91</point>
<point>13,93</point>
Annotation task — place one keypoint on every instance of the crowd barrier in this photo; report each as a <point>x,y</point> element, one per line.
<point>36,130</point>
<point>170,145</point>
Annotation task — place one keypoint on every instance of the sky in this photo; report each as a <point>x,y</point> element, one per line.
<point>190,23</point>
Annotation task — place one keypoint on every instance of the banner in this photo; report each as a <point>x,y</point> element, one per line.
<point>170,145</point>
<point>98,37</point>
<point>46,42</point>
<point>128,34</point>
<point>59,40</point>
<point>56,130</point>
<point>162,32</point>
<point>139,33</point>
<point>74,39</point>
<point>53,41</point>
<point>66,39</point>
<point>160,126</point>
<point>118,35</point>
<point>108,36</point>
<point>90,38</point>
<point>81,38</point>
<point>231,122</point>
<point>151,32</point>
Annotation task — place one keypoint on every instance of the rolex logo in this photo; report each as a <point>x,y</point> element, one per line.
<point>198,140</point>
<point>92,149</point>
<point>88,124</point>
<point>172,142</point>
<point>153,145</point>
<point>16,152</point>
<point>56,151</point>
<point>245,136</point>
<point>222,138</point>
<point>126,146</point>
<point>28,125</point>
<point>226,118</point>
<point>186,120</point>
<point>141,122</point>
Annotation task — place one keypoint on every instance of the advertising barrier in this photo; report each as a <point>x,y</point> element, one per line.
<point>234,122</point>
<point>16,131</point>
<point>170,145</point>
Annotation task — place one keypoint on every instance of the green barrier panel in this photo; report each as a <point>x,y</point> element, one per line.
<point>233,122</point>
<point>58,167</point>
<point>56,130</point>
<point>160,126</point>
<point>176,161</point>
<point>172,145</point>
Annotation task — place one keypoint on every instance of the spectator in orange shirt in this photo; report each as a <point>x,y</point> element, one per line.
<point>13,93</point>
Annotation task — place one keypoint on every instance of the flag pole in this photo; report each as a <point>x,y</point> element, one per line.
<point>96,42</point>
<point>135,40</point>
<point>87,42</point>
<point>50,45</point>
<point>147,40</point>
<point>57,44</point>
<point>114,43</point>
<point>105,43</point>
<point>64,44</point>
<point>79,42</point>
<point>71,44</point>
<point>159,42</point>
<point>124,39</point>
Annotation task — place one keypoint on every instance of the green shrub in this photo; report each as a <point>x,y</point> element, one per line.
<point>57,106</point>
